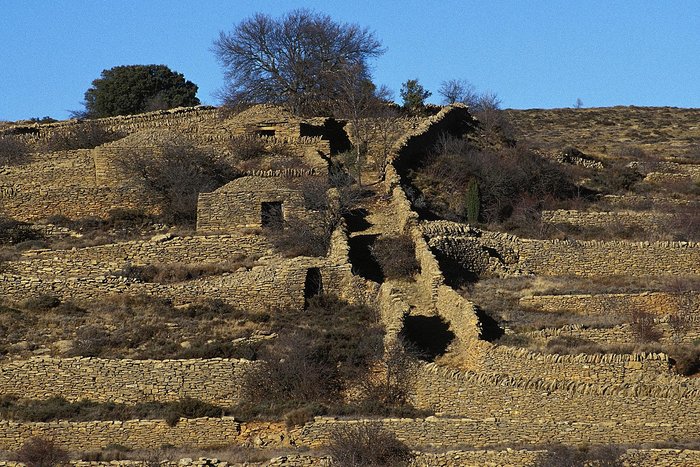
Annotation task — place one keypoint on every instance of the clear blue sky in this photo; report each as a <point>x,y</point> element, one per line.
<point>531,53</point>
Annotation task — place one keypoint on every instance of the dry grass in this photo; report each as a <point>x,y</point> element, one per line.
<point>124,326</point>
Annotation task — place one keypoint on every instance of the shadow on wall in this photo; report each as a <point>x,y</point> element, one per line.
<point>332,130</point>
<point>363,262</point>
<point>428,335</point>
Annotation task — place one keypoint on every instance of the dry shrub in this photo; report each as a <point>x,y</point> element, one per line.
<point>169,273</point>
<point>41,452</point>
<point>176,176</point>
<point>86,135</point>
<point>250,147</point>
<point>13,151</point>
<point>367,445</point>
<point>569,456</point>
<point>570,345</point>
<point>686,359</point>
<point>41,303</point>
<point>643,326</point>
<point>319,351</point>
<point>13,232</point>
<point>396,256</point>
<point>301,238</point>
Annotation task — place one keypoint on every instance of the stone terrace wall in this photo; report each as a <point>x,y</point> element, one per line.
<point>596,258</point>
<point>597,368</point>
<point>63,168</point>
<point>71,201</point>
<point>483,432</point>
<point>193,433</point>
<point>647,221</point>
<point>272,286</point>
<point>125,381</point>
<point>657,303</point>
<point>581,258</point>
<point>103,259</point>
<point>535,411</point>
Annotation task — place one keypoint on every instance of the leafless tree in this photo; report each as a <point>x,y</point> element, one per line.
<point>458,90</point>
<point>293,60</point>
<point>359,102</point>
<point>175,176</point>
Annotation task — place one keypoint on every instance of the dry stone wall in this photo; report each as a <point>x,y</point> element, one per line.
<point>598,258</point>
<point>596,368</point>
<point>239,204</point>
<point>73,202</point>
<point>163,249</point>
<point>647,221</point>
<point>202,433</point>
<point>484,432</point>
<point>569,257</point>
<point>124,381</point>
<point>656,303</point>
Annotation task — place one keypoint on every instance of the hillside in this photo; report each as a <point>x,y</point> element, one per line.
<point>197,282</point>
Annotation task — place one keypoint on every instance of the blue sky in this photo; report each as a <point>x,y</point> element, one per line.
<point>533,54</point>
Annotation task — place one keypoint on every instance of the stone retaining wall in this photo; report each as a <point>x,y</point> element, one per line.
<point>657,303</point>
<point>646,221</point>
<point>124,381</point>
<point>484,432</point>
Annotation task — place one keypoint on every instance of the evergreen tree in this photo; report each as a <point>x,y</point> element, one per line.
<point>132,89</point>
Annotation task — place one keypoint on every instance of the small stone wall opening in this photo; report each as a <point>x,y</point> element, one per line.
<point>265,132</point>
<point>313,285</point>
<point>271,215</point>
<point>428,335</point>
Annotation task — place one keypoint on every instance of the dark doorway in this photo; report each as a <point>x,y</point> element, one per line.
<point>313,285</point>
<point>265,132</point>
<point>428,335</point>
<point>271,215</point>
<point>362,260</point>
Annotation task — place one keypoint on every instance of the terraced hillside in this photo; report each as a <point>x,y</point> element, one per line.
<point>262,299</point>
